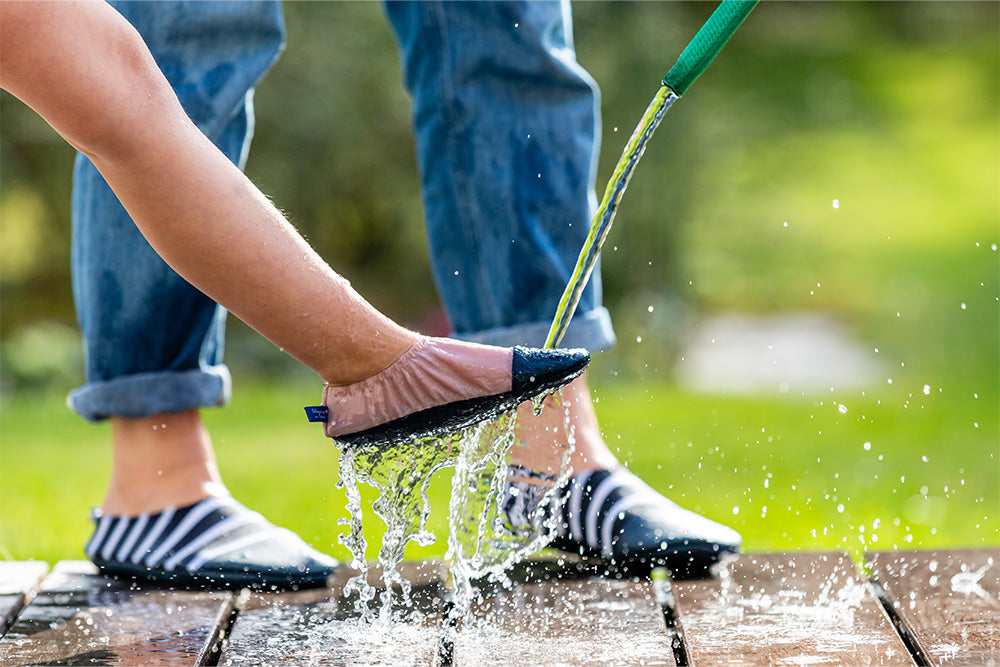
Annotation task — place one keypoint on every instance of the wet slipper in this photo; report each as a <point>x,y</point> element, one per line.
<point>442,385</point>
<point>215,543</point>
<point>615,516</point>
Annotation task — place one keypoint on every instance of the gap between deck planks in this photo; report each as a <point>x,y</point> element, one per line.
<point>80,617</point>
<point>765,609</point>
<point>18,584</point>
<point>947,603</point>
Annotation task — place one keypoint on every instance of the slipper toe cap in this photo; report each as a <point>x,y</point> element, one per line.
<point>534,370</point>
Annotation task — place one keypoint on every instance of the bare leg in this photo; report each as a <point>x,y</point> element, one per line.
<point>539,436</point>
<point>168,518</point>
<point>158,462</point>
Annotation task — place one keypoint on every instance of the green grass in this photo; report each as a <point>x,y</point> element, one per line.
<point>788,473</point>
<point>907,143</point>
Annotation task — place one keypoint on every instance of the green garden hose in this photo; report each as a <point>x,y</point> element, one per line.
<point>695,58</point>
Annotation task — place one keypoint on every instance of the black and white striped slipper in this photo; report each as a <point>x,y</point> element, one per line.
<point>615,516</point>
<point>215,543</point>
<point>526,501</point>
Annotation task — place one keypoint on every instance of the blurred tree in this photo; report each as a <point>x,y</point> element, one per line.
<point>334,149</point>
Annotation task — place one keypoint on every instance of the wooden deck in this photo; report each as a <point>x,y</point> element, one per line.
<point>929,607</point>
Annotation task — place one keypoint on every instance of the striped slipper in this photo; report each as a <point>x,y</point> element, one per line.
<point>523,496</point>
<point>215,543</point>
<point>614,515</point>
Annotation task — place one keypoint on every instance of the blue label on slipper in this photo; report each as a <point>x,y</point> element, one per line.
<point>318,413</point>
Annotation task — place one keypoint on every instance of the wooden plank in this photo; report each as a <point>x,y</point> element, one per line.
<point>80,617</point>
<point>574,619</point>
<point>19,581</point>
<point>320,627</point>
<point>948,600</point>
<point>802,608</point>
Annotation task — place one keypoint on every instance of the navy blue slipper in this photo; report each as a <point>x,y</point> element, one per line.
<point>533,372</point>
<point>615,516</point>
<point>215,543</point>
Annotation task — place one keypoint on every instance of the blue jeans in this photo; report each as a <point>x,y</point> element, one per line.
<point>507,139</point>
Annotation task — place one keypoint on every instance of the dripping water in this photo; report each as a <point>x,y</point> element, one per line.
<point>482,541</point>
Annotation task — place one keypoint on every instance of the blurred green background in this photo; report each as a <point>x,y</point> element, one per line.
<point>838,160</point>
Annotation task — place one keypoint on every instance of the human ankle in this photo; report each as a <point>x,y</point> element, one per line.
<point>544,438</point>
<point>369,358</point>
<point>161,461</point>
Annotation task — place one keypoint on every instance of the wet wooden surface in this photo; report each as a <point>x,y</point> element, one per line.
<point>763,609</point>
<point>574,621</point>
<point>79,617</point>
<point>18,583</point>
<point>321,627</point>
<point>948,600</point>
<point>774,609</point>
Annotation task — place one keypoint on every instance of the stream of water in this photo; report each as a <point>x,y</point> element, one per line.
<point>600,226</point>
<point>498,513</point>
<point>483,538</point>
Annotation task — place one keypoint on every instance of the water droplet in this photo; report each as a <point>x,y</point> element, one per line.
<point>964,306</point>
<point>638,339</point>
<point>836,203</point>
<point>842,409</point>
<point>650,309</point>
<point>867,446</point>
<point>927,390</point>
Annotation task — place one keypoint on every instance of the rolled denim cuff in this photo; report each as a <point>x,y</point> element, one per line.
<point>148,394</point>
<point>591,330</point>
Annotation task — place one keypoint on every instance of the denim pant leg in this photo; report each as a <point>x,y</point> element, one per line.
<point>506,122</point>
<point>153,343</point>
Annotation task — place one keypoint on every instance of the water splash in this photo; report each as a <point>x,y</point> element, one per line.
<point>482,541</point>
<point>401,475</point>
<point>967,583</point>
<point>501,513</point>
